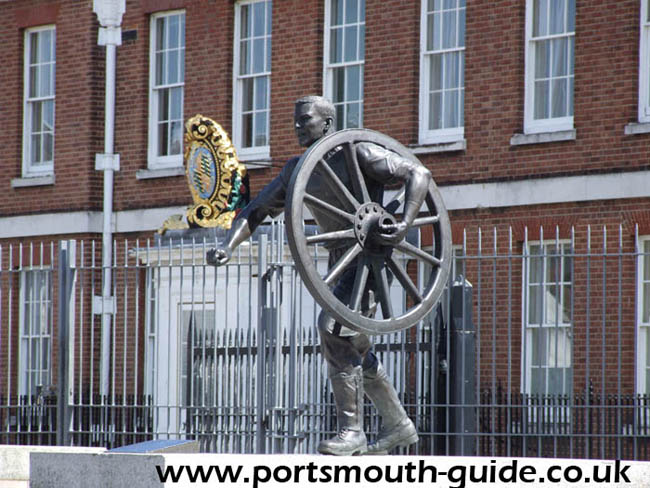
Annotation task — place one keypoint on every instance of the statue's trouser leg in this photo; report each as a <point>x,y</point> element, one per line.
<point>397,429</point>
<point>344,351</point>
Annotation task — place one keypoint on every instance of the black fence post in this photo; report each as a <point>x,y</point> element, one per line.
<point>462,371</point>
<point>65,263</point>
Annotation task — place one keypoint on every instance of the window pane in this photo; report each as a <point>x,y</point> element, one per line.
<point>540,18</point>
<point>557,13</point>
<point>37,117</point>
<point>258,56</point>
<point>535,305</point>
<point>447,4</point>
<point>259,19</point>
<point>351,43</point>
<point>559,90</point>
<point>437,31</point>
<point>336,45</point>
<point>646,260</point>
<point>452,65</point>
<point>176,105</point>
<point>268,54</point>
<point>337,12</point>
<point>449,29</point>
<point>435,111</point>
<point>45,47</point>
<point>559,49</point>
<point>542,59</point>
<point>33,81</point>
<point>160,34</point>
<point>260,129</point>
<point>566,303</point>
<point>163,104</point>
<point>340,116</point>
<point>647,353</point>
<point>435,77</point>
<point>338,92</point>
<point>269,17</point>
<point>172,67</point>
<point>430,31</point>
<point>35,149</point>
<point>353,77</point>
<point>33,48</point>
<point>247,130</point>
<point>555,382</point>
<point>451,109</point>
<point>261,86</point>
<point>163,138</point>
<point>174,32</point>
<point>362,42</point>
<point>353,118</point>
<point>461,28</point>
<point>244,57</point>
<point>571,16</point>
<point>537,381</point>
<point>48,147</point>
<point>176,138</point>
<point>362,10</point>
<point>538,346</point>
<point>244,19</point>
<point>541,99</point>
<point>351,10</point>
<point>646,302</point>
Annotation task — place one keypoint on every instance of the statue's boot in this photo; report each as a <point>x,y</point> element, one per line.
<point>397,429</point>
<point>348,397</point>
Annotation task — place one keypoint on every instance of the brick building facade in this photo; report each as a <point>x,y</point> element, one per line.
<point>530,114</point>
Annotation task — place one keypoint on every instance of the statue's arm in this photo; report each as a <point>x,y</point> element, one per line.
<point>388,167</point>
<point>270,201</point>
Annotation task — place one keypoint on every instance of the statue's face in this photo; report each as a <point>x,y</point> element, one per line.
<point>309,124</point>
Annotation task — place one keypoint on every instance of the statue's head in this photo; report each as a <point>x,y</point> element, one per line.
<point>313,118</point>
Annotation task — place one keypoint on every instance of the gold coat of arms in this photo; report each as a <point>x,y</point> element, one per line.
<point>217,180</point>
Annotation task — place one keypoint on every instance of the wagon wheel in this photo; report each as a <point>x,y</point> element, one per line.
<point>337,193</point>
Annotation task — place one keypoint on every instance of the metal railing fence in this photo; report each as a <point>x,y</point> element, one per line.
<point>551,333</point>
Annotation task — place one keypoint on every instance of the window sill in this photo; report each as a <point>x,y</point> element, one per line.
<point>32,181</point>
<point>637,128</point>
<point>147,174</point>
<point>460,145</point>
<point>256,163</point>
<point>543,137</point>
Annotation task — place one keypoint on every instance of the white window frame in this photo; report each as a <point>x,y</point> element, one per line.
<point>43,306</point>
<point>445,135</point>
<point>554,413</point>
<point>253,152</point>
<point>328,67</point>
<point>643,327</point>
<point>644,62</point>
<point>154,160</point>
<point>552,124</point>
<point>46,167</point>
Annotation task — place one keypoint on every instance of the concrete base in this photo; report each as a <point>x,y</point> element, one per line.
<point>15,461</point>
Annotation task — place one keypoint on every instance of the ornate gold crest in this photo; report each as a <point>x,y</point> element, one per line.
<point>216,178</point>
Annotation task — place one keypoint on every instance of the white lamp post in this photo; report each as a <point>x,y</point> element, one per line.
<point>109,14</point>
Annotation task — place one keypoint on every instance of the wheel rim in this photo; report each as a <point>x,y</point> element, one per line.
<point>357,215</point>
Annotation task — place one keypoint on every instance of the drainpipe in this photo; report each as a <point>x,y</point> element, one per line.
<point>109,14</point>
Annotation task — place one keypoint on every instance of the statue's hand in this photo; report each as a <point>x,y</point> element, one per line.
<point>218,256</point>
<point>393,234</point>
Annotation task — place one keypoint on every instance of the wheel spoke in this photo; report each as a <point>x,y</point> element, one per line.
<point>419,222</point>
<point>336,270</point>
<point>337,185</point>
<point>360,281</point>
<point>417,253</point>
<point>331,236</point>
<point>358,181</point>
<point>381,281</point>
<point>333,211</point>
<point>405,280</point>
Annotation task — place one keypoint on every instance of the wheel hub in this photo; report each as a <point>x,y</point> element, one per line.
<point>366,224</point>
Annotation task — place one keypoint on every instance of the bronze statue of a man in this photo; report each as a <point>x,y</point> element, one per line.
<point>352,366</point>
